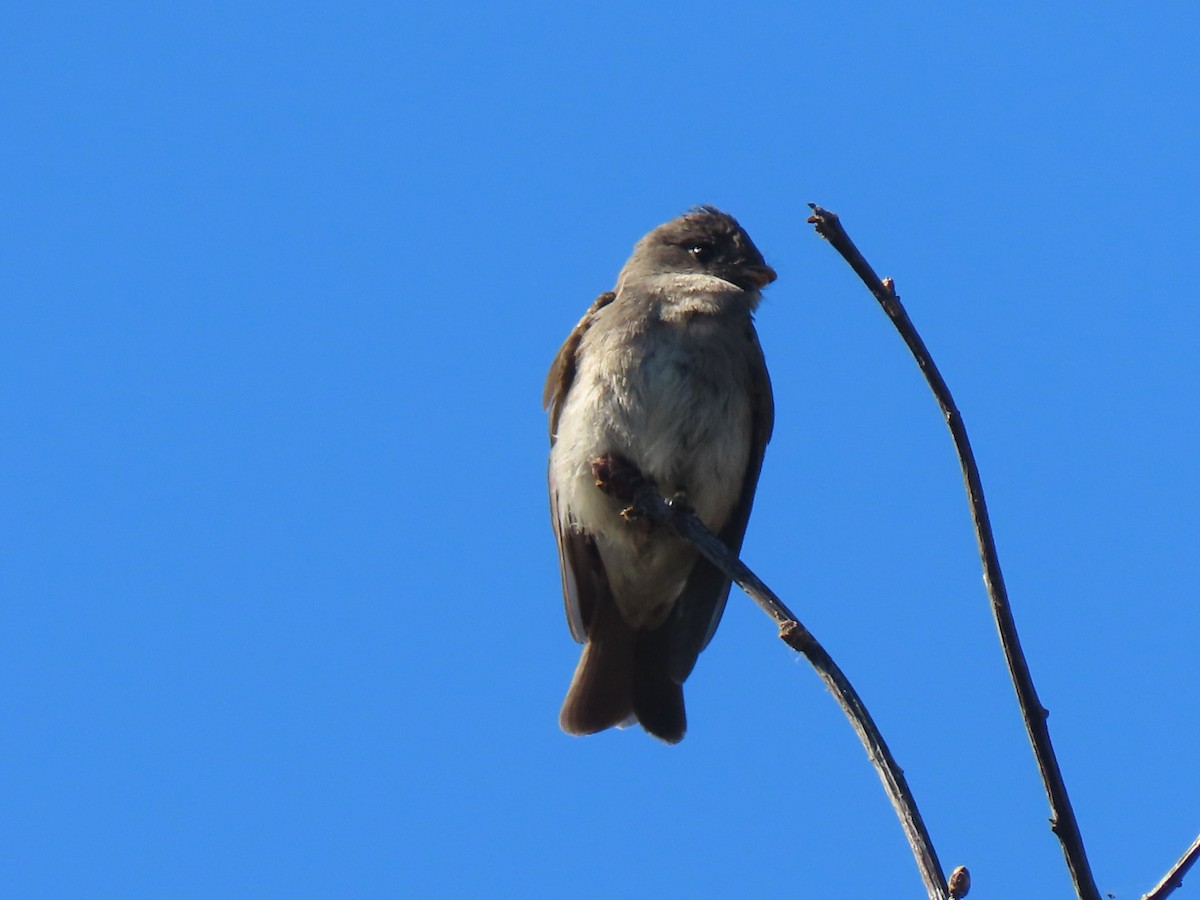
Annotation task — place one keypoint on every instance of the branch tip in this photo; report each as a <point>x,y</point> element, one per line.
<point>1064,825</point>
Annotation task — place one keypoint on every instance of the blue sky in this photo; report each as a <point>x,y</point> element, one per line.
<point>281,610</point>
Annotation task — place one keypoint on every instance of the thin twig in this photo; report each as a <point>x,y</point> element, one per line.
<point>651,505</point>
<point>1062,821</point>
<point>1174,877</point>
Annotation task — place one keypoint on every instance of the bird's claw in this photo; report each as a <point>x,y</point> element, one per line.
<point>618,477</point>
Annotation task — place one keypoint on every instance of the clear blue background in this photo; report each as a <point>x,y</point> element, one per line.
<point>281,611</point>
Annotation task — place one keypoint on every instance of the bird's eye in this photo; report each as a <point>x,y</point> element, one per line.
<point>702,252</point>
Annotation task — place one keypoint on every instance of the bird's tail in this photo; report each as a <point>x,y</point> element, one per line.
<point>657,696</point>
<point>623,675</point>
<point>601,693</point>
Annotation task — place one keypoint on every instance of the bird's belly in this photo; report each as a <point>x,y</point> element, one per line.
<point>684,421</point>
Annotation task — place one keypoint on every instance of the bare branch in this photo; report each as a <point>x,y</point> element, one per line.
<point>649,504</point>
<point>1174,878</point>
<point>1062,821</point>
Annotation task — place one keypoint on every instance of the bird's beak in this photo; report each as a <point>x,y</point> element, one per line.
<point>759,276</point>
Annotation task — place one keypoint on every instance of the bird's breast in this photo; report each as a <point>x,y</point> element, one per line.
<point>688,417</point>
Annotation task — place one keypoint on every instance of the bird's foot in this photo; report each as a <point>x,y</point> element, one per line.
<point>622,480</point>
<point>618,477</point>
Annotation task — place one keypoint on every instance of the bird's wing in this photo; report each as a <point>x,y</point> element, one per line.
<point>562,370</point>
<point>702,602</point>
<point>584,581</point>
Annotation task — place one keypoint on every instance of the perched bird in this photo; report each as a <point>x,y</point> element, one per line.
<point>663,375</point>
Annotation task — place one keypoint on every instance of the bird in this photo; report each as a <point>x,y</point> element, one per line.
<point>663,377</point>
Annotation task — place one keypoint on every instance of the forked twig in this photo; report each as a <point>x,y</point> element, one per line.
<point>648,503</point>
<point>1062,821</point>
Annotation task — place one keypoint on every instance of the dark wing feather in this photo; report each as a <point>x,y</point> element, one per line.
<point>583,576</point>
<point>702,602</point>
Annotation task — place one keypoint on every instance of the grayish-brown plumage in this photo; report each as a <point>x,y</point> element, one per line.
<point>664,373</point>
